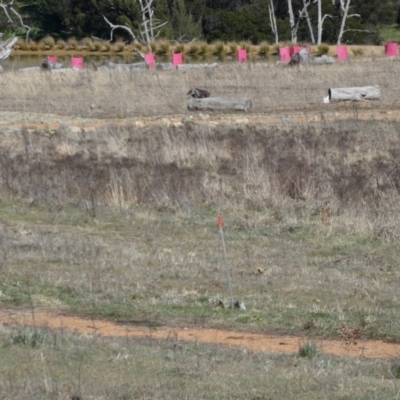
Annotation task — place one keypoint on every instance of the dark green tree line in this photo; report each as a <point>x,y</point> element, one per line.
<point>228,20</point>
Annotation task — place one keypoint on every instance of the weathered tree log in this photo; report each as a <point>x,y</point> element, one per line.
<point>29,69</point>
<point>46,64</point>
<point>164,66</point>
<point>354,93</point>
<point>123,67</point>
<point>194,66</point>
<point>322,60</point>
<point>220,104</point>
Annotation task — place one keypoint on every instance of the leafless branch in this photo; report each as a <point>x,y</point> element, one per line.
<point>8,7</point>
<point>126,28</point>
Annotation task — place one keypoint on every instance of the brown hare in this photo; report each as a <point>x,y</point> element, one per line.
<point>326,215</point>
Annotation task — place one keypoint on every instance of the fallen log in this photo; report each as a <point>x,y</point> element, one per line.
<point>46,64</point>
<point>164,66</point>
<point>194,66</point>
<point>220,104</point>
<point>123,67</point>
<point>322,60</point>
<point>29,69</point>
<point>354,93</point>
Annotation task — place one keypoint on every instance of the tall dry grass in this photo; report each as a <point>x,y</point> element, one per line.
<point>100,218</point>
<point>157,93</point>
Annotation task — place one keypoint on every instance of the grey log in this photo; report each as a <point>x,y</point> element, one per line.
<point>355,93</point>
<point>322,60</point>
<point>124,67</point>
<point>194,66</point>
<point>220,104</point>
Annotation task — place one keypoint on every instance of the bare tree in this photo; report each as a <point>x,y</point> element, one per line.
<point>8,8</point>
<point>272,20</point>
<point>345,5</point>
<point>149,27</point>
<point>321,20</point>
<point>6,46</point>
<point>293,26</point>
<point>303,13</point>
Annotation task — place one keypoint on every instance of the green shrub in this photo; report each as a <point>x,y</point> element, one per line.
<point>309,350</point>
<point>27,337</point>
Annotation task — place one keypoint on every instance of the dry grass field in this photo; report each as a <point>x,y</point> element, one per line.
<point>109,195</point>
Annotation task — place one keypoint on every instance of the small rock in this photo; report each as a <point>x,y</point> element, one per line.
<point>204,117</point>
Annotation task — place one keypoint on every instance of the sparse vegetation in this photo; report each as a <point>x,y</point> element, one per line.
<point>309,350</point>
<point>119,221</point>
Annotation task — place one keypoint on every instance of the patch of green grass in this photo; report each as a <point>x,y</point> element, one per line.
<point>309,350</point>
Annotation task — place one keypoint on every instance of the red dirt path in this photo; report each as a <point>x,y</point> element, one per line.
<point>250,341</point>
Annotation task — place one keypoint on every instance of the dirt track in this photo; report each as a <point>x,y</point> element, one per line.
<point>249,341</point>
<point>311,114</point>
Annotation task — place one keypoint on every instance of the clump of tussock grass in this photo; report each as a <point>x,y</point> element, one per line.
<point>153,47</point>
<point>106,47</point>
<point>33,46</point>
<point>179,48</point>
<point>357,51</point>
<point>232,48</point>
<point>309,350</point>
<point>21,45</point>
<point>193,49</point>
<point>246,46</point>
<point>88,44</point>
<point>27,336</point>
<point>275,49</point>
<point>41,45</point>
<point>73,44</point>
<point>61,44</point>
<point>164,48</point>
<point>323,49</point>
<point>49,42</point>
<point>219,48</point>
<point>263,49</point>
<point>204,49</point>
<point>119,46</point>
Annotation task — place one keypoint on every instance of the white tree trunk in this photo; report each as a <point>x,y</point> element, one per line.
<point>272,20</point>
<point>293,28</point>
<point>310,28</point>
<point>321,20</point>
<point>345,9</point>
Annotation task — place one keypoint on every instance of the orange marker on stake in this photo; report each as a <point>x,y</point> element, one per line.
<point>221,229</point>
